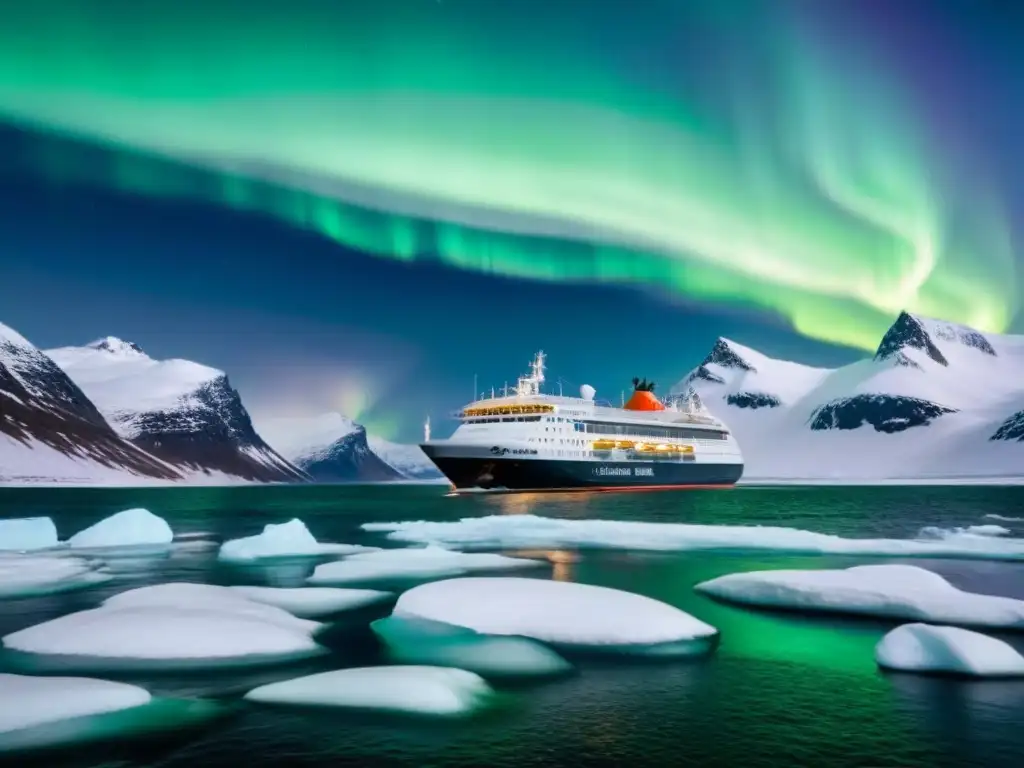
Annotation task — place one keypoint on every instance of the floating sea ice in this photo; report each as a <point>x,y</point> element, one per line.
<point>890,591</point>
<point>24,534</point>
<point>29,701</point>
<point>34,575</point>
<point>531,531</point>
<point>291,539</point>
<point>421,641</point>
<point>410,689</point>
<point>209,597</point>
<point>161,636</point>
<point>130,528</point>
<point>312,602</point>
<point>926,648</point>
<point>413,563</point>
<point>562,613</point>
<point>49,712</point>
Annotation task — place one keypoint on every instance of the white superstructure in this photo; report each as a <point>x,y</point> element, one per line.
<point>526,424</point>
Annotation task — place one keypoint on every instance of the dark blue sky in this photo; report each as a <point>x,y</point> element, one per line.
<point>833,145</point>
<point>293,318</point>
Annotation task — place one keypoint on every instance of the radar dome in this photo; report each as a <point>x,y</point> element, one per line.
<point>587,392</point>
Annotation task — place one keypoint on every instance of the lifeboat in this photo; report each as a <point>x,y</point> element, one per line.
<point>603,445</point>
<point>624,444</point>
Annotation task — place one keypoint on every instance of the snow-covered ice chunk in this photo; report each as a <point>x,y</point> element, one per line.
<point>531,531</point>
<point>53,712</point>
<point>421,641</point>
<point>209,597</point>
<point>161,636</point>
<point>559,612</point>
<point>889,591</point>
<point>311,602</point>
<point>24,534</point>
<point>950,650</point>
<point>291,539</point>
<point>128,528</point>
<point>414,563</point>
<point>30,701</point>
<point>411,689</point>
<point>34,575</point>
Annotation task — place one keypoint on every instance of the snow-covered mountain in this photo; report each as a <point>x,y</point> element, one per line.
<point>409,460</point>
<point>936,400</point>
<point>51,432</point>
<point>185,413</point>
<point>332,448</point>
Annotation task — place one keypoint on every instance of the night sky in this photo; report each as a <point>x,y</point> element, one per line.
<point>356,205</point>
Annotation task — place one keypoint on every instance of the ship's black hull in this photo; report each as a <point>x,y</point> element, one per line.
<point>551,475</point>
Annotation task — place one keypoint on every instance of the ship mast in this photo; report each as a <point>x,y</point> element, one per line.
<point>426,430</point>
<point>530,384</point>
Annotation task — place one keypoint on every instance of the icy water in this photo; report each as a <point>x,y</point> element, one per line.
<point>781,689</point>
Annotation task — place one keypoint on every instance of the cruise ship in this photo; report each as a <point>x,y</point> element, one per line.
<point>525,440</point>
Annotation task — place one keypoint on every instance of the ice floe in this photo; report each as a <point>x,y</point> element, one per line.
<point>410,689</point>
<point>277,540</point>
<point>129,528</point>
<point>55,712</point>
<point>1006,519</point>
<point>429,562</point>
<point>25,534</point>
<point>950,650</point>
<point>31,701</point>
<point>35,575</point>
<point>209,597</point>
<point>563,613</point>
<point>312,602</point>
<point>213,632</point>
<point>421,641</point>
<point>531,531</point>
<point>888,591</point>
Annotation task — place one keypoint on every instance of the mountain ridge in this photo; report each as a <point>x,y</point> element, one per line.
<point>183,412</point>
<point>931,388</point>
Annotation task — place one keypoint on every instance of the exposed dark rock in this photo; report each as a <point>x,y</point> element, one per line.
<point>886,413</point>
<point>1011,429</point>
<point>40,403</point>
<point>347,460</point>
<point>753,400</point>
<point>908,331</point>
<point>210,430</point>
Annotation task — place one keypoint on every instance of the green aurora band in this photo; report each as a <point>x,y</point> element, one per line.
<point>759,166</point>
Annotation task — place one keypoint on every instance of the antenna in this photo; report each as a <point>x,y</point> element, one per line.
<point>622,399</point>
<point>474,387</point>
<point>426,430</point>
<point>492,393</point>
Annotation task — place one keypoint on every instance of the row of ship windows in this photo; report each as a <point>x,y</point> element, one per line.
<point>624,430</point>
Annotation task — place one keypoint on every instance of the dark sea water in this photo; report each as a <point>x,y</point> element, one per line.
<point>782,689</point>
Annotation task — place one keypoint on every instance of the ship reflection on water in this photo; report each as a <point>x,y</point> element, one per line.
<point>567,504</point>
<point>561,560</point>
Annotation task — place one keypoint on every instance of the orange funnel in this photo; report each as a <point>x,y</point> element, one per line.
<point>643,401</point>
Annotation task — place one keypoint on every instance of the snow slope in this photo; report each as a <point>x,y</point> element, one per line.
<point>408,460</point>
<point>937,400</point>
<point>50,431</point>
<point>330,447</point>
<point>185,413</point>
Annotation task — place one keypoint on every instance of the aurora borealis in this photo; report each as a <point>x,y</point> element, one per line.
<point>763,155</point>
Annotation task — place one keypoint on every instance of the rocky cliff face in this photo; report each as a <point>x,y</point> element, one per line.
<point>186,414</point>
<point>45,416</point>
